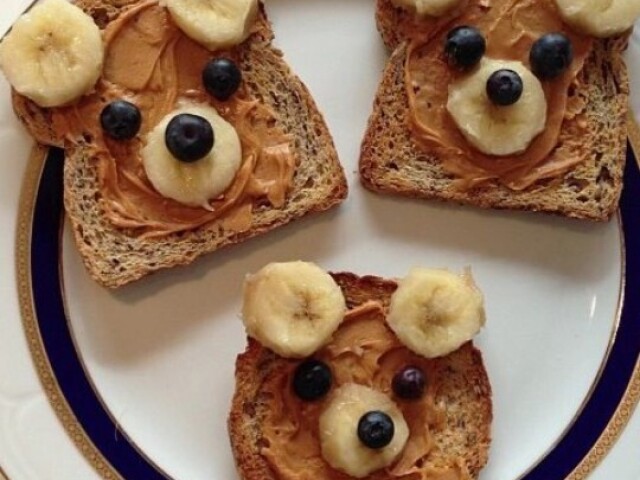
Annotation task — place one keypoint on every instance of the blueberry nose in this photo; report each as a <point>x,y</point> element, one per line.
<point>504,87</point>
<point>189,137</point>
<point>376,429</point>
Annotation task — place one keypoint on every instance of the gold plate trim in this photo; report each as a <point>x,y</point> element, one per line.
<point>45,373</point>
<point>631,397</point>
<point>612,339</point>
<point>633,132</point>
<point>75,431</point>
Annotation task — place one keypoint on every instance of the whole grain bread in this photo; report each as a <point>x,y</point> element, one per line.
<point>392,162</point>
<point>465,394</point>
<point>114,256</point>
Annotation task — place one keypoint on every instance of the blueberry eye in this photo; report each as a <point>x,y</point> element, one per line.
<point>464,47</point>
<point>551,55</point>
<point>221,78</point>
<point>121,120</point>
<point>409,383</point>
<point>312,380</point>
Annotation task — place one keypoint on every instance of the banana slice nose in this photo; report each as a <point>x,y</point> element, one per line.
<point>193,184</point>
<point>492,129</point>
<point>338,428</point>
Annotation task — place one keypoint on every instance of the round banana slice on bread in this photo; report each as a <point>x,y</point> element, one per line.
<point>193,184</point>
<point>432,8</point>
<point>493,129</point>
<point>600,18</point>
<point>292,308</point>
<point>53,54</point>
<point>215,24</point>
<point>434,312</point>
<point>341,447</point>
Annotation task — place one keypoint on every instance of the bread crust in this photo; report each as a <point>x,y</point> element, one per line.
<point>114,256</point>
<point>467,392</point>
<point>591,190</point>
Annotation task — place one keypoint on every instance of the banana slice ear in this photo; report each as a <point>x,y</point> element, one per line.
<point>600,18</point>
<point>431,8</point>
<point>292,308</point>
<point>53,54</point>
<point>215,24</point>
<point>434,312</point>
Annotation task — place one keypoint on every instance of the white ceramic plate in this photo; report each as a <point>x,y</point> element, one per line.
<point>158,356</point>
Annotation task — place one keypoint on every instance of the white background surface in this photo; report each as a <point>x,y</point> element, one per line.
<point>163,363</point>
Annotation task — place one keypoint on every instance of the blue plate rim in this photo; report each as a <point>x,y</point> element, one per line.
<point>38,243</point>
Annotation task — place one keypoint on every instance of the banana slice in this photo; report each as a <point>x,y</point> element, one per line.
<point>600,18</point>
<point>432,8</point>
<point>434,312</point>
<point>339,442</point>
<point>53,54</point>
<point>216,24</point>
<point>193,184</point>
<point>292,308</point>
<point>492,129</point>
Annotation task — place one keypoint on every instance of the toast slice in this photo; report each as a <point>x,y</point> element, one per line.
<point>115,256</point>
<point>465,392</point>
<point>392,162</point>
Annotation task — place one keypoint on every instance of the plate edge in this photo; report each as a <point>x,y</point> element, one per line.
<point>631,396</point>
<point>613,431</point>
<point>76,432</point>
<point>55,396</point>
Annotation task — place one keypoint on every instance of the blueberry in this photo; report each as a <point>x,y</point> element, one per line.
<point>312,380</point>
<point>221,78</point>
<point>504,87</point>
<point>464,47</point>
<point>375,430</point>
<point>551,55</point>
<point>121,120</point>
<point>189,137</point>
<point>409,383</point>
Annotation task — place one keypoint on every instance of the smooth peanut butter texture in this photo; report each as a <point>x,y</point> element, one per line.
<point>364,351</point>
<point>510,28</point>
<point>151,63</point>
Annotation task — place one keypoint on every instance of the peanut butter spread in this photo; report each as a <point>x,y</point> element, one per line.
<point>510,28</point>
<point>151,63</point>
<point>363,351</point>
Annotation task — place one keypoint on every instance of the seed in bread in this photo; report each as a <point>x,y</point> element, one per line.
<point>356,426</point>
